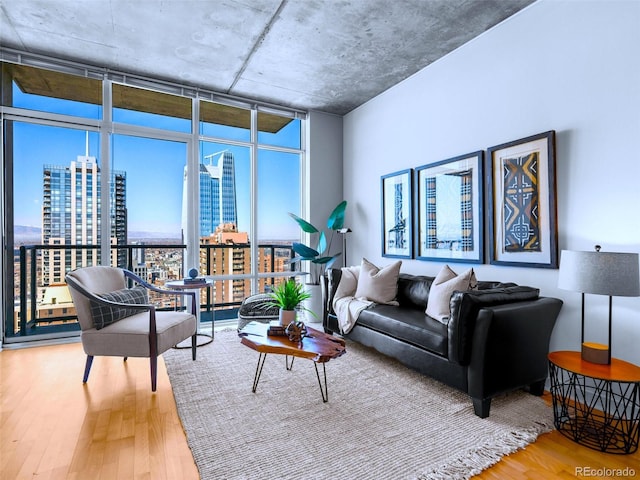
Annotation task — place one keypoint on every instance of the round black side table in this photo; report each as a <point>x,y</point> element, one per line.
<point>597,406</point>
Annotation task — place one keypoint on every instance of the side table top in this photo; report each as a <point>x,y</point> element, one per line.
<point>617,371</point>
<point>189,286</point>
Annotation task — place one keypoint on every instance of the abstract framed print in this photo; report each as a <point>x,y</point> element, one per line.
<point>522,202</point>
<point>396,196</point>
<point>449,213</point>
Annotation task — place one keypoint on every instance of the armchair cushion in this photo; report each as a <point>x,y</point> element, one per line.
<point>129,337</point>
<point>104,315</point>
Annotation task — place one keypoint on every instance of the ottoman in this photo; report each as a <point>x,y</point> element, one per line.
<point>256,308</point>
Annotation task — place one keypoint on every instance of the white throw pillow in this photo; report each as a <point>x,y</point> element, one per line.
<point>445,283</point>
<point>378,285</point>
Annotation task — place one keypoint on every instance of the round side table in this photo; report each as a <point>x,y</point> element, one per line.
<point>181,285</point>
<point>595,405</point>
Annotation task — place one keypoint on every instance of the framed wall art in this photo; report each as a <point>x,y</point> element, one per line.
<point>449,213</point>
<point>396,196</point>
<point>522,202</point>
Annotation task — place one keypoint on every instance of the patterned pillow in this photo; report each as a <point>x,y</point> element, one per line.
<point>105,315</point>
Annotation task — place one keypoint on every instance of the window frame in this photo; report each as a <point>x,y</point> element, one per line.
<point>107,127</point>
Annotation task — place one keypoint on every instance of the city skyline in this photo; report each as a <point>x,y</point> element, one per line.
<point>154,175</point>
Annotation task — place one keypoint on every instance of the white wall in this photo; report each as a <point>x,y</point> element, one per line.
<point>568,66</point>
<point>322,178</point>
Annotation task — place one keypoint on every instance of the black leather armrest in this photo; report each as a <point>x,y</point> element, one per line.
<point>510,346</point>
<point>330,281</point>
<point>464,310</point>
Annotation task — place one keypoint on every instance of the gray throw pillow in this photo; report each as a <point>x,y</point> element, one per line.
<point>104,315</point>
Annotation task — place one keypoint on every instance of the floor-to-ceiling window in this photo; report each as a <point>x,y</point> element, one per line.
<point>215,177</point>
<point>250,169</point>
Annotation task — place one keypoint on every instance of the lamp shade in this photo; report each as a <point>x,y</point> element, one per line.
<point>602,273</point>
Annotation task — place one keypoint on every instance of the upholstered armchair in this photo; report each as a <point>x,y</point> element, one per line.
<point>119,321</point>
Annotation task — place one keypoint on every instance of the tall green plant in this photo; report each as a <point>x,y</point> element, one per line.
<point>318,256</point>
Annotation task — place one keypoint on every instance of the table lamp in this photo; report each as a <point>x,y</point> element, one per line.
<point>600,273</point>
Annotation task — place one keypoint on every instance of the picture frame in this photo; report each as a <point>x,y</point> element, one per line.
<point>396,192</point>
<point>522,217</point>
<point>449,209</point>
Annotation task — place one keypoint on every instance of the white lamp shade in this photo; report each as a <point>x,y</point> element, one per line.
<point>602,273</point>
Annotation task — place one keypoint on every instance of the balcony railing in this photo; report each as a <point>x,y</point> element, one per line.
<point>42,304</point>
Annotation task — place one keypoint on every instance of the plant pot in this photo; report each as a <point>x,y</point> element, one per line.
<point>314,303</point>
<point>286,317</point>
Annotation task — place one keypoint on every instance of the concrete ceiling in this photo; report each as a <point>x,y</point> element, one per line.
<point>326,55</point>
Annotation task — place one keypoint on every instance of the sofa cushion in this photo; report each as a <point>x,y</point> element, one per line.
<point>104,315</point>
<point>445,283</point>
<point>408,325</point>
<point>378,285</point>
<point>413,291</point>
<point>464,311</point>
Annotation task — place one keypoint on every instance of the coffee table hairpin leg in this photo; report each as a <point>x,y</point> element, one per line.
<point>263,356</point>
<point>324,391</point>
<point>256,378</point>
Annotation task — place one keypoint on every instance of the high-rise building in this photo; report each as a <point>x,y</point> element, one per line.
<point>217,192</point>
<point>225,250</point>
<point>230,255</point>
<point>71,216</point>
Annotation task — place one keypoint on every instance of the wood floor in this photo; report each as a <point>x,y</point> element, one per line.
<point>54,427</point>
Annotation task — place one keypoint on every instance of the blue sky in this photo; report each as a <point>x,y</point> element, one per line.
<point>154,171</point>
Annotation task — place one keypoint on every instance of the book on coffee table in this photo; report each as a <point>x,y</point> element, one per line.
<point>277,331</point>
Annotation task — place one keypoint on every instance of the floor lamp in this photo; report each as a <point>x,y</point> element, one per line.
<point>600,273</point>
<point>343,232</point>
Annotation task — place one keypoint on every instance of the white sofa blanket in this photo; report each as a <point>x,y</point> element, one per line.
<point>345,304</point>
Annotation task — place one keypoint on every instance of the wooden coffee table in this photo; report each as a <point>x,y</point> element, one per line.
<point>317,346</point>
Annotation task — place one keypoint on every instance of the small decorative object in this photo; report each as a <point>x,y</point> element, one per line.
<point>288,296</point>
<point>296,331</point>
<point>193,277</point>
<point>600,273</point>
<point>396,196</point>
<point>449,210</point>
<point>522,202</point>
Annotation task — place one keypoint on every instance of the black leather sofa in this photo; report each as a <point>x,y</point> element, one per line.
<point>497,338</point>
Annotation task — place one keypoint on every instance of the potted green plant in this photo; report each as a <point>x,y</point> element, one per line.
<point>288,296</point>
<point>319,257</point>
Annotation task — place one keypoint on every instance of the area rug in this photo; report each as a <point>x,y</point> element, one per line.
<point>382,420</point>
